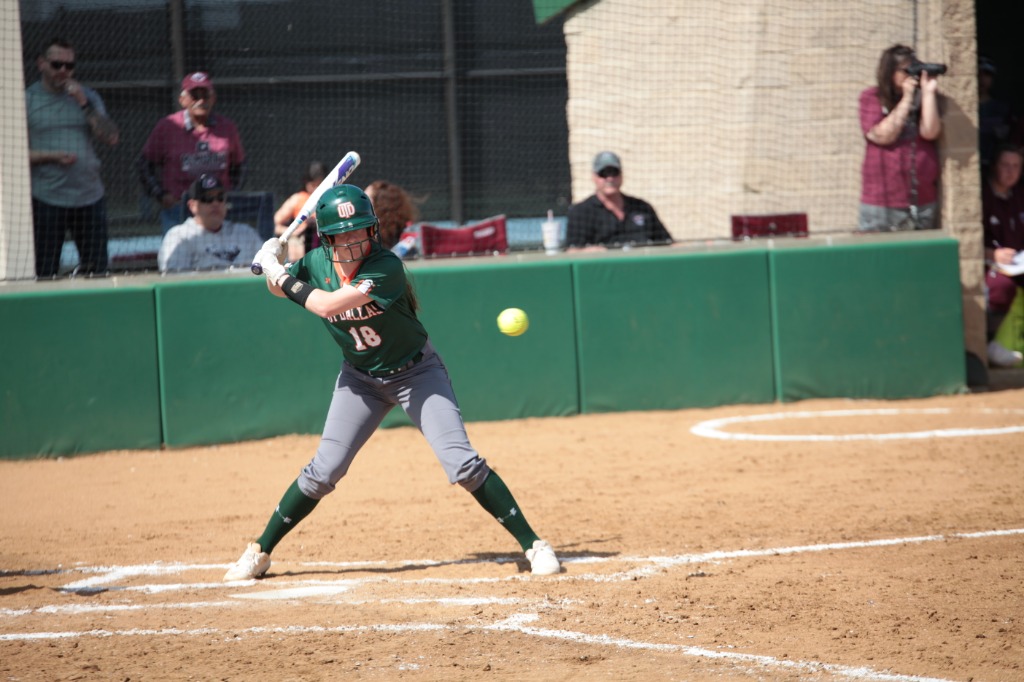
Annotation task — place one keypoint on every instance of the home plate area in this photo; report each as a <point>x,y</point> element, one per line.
<point>493,597</point>
<point>827,540</point>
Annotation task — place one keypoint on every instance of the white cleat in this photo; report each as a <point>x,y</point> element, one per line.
<point>542,559</point>
<point>253,563</point>
<point>1001,356</point>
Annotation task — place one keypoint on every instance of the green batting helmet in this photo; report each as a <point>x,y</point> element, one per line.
<point>344,208</point>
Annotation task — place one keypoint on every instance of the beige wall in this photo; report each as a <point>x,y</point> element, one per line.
<point>733,106</point>
<point>15,201</point>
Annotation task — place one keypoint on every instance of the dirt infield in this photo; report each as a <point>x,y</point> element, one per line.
<point>815,544</point>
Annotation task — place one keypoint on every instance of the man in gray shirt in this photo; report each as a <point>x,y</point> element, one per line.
<point>206,241</point>
<point>67,192</point>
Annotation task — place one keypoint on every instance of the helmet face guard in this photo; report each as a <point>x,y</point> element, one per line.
<point>342,209</point>
<point>345,251</point>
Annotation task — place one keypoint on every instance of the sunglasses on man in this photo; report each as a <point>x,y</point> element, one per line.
<point>609,173</point>
<point>210,198</point>
<point>57,65</point>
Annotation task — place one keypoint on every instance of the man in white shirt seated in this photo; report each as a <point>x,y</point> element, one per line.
<point>206,241</point>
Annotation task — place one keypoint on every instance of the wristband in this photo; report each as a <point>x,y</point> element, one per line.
<point>295,289</point>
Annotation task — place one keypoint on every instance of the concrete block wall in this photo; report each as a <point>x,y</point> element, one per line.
<point>750,106</point>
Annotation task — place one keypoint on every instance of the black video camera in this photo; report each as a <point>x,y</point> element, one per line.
<point>915,68</point>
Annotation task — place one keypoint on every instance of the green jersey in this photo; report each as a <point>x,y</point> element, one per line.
<point>385,333</point>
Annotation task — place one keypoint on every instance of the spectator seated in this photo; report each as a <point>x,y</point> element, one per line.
<point>770,225</point>
<point>482,238</point>
<point>255,209</point>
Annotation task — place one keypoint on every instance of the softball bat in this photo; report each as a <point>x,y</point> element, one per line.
<point>337,176</point>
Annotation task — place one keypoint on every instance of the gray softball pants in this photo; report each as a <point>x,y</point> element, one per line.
<point>360,403</point>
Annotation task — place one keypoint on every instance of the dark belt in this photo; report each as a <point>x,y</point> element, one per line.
<point>381,373</point>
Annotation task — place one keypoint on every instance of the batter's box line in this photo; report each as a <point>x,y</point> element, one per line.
<point>517,623</point>
<point>753,663</point>
<point>824,547</point>
<point>109,574</point>
<point>652,565</point>
<point>287,594</point>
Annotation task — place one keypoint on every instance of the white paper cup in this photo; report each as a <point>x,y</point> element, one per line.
<point>550,235</point>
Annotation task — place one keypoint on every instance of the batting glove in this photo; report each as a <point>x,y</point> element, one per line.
<point>276,247</point>
<point>272,267</point>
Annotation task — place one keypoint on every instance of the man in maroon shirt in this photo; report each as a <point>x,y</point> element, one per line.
<point>187,144</point>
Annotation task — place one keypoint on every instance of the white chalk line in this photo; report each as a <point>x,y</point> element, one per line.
<point>657,564</point>
<point>111,574</point>
<point>289,629</point>
<point>713,428</point>
<point>516,623</point>
<point>80,609</point>
<point>296,589</point>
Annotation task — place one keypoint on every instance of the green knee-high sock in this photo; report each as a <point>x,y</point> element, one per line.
<point>293,507</point>
<point>496,498</point>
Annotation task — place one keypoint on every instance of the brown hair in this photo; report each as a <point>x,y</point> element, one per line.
<point>1004,148</point>
<point>394,207</point>
<point>893,59</point>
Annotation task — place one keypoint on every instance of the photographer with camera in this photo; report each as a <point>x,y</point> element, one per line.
<point>900,119</point>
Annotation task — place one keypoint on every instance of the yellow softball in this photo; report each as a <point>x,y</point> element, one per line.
<point>513,321</point>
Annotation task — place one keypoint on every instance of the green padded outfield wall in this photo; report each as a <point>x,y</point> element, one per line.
<point>188,362</point>
<point>879,320</point>
<point>238,363</point>
<point>80,372</point>
<point>497,376</point>
<point>673,331</point>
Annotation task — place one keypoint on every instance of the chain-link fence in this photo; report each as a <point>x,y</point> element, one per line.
<point>460,102</point>
<point>717,109</point>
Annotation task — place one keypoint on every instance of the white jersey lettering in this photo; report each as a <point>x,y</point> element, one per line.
<point>363,312</point>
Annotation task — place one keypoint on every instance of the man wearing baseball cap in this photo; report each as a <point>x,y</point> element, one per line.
<point>206,241</point>
<point>187,144</point>
<point>610,218</point>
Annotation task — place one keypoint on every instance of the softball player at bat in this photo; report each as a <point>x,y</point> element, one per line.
<point>360,291</point>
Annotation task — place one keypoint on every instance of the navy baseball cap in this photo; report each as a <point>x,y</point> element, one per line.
<point>606,160</point>
<point>203,185</point>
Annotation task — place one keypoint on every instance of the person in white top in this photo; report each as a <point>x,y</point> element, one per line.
<point>206,241</point>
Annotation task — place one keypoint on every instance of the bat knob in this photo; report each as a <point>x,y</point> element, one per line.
<point>256,268</point>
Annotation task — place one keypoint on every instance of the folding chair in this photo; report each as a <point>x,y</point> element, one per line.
<point>771,225</point>
<point>485,237</point>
